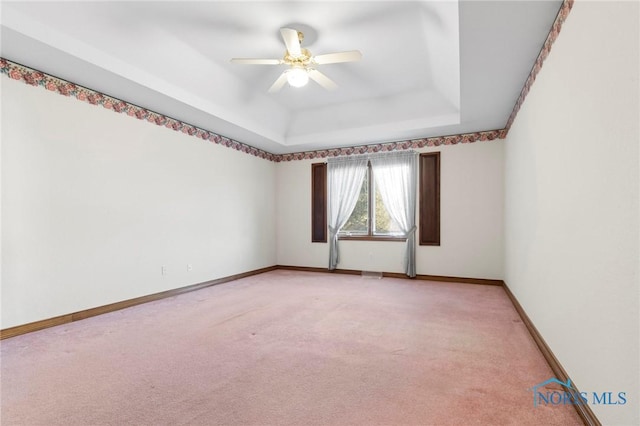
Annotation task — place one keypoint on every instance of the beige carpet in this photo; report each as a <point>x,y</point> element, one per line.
<point>287,348</point>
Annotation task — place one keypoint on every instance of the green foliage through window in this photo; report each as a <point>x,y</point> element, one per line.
<point>358,223</point>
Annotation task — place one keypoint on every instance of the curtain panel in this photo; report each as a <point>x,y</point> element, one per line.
<point>396,178</point>
<point>344,179</point>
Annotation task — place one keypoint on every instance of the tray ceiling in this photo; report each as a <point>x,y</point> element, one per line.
<point>429,68</point>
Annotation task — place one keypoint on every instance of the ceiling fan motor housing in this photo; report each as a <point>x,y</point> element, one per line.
<point>303,59</point>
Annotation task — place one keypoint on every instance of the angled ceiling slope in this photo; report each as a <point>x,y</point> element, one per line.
<point>429,68</point>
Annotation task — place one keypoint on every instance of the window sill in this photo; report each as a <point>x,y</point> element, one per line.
<point>371,238</point>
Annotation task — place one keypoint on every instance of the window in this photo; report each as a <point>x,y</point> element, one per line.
<point>370,218</point>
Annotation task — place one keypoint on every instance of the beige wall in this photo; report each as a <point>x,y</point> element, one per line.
<point>572,203</point>
<point>94,203</point>
<point>471,224</point>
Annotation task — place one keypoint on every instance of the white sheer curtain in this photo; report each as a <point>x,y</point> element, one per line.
<point>396,176</point>
<point>344,179</point>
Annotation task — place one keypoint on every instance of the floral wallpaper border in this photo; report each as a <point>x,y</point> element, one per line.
<point>393,146</point>
<point>54,84</point>
<point>36,78</point>
<point>544,52</point>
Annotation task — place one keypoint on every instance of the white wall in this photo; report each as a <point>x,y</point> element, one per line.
<point>471,219</point>
<point>94,203</point>
<point>572,203</point>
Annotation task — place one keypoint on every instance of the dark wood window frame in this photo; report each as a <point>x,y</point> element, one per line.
<point>429,199</point>
<point>319,202</point>
<point>428,204</point>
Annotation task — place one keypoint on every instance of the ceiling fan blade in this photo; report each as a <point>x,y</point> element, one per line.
<point>322,80</point>
<point>334,58</point>
<point>252,61</point>
<point>291,40</point>
<point>277,85</point>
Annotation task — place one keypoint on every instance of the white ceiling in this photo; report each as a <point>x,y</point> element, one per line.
<point>429,68</point>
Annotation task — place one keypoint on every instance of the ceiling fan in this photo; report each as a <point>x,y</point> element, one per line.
<point>301,63</point>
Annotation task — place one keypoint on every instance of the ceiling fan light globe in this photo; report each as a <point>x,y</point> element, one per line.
<point>297,77</point>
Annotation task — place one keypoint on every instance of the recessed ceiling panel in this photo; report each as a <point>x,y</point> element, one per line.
<point>428,68</point>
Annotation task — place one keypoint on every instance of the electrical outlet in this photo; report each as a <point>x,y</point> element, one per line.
<point>164,270</point>
<point>189,267</point>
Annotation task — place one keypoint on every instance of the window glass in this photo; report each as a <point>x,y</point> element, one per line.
<point>383,223</point>
<point>380,220</point>
<point>358,223</point>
